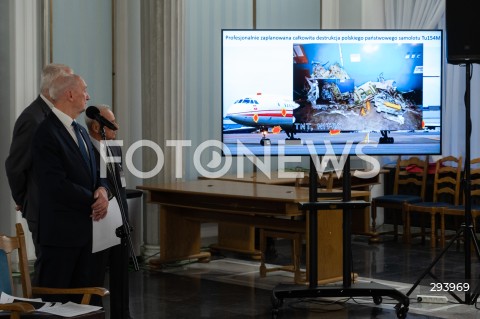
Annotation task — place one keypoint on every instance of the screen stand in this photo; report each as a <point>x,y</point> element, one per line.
<point>346,289</point>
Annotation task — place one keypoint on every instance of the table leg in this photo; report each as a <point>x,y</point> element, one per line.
<point>180,238</point>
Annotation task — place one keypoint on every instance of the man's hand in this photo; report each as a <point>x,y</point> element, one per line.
<point>100,205</point>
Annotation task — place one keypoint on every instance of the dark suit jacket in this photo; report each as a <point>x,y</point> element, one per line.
<point>66,185</point>
<point>19,162</point>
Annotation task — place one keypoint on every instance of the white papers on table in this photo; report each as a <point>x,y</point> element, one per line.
<point>104,230</point>
<point>69,309</point>
<point>6,298</point>
<point>37,303</point>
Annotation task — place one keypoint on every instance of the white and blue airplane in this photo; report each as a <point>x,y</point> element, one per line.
<point>264,112</point>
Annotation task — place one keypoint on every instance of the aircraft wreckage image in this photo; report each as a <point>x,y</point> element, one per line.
<point>354,109</point>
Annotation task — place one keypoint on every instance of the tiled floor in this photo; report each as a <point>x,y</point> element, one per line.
<point>229,286</point>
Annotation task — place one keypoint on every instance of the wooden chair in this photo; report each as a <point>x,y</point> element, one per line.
<point>459,210</point>
<point>446,192</point>
<point>296,239</point>
<point>17,308</point>
<point>409,187</point>
<point>8,246</point>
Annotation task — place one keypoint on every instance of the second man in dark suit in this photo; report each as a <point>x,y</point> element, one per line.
<point>70,191</point>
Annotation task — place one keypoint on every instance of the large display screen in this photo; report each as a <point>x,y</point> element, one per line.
<point>298,92</point>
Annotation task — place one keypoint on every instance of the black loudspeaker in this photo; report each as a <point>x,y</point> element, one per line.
<point>463,31</point>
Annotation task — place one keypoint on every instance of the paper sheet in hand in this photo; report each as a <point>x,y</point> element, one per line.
<point>104,230</point>
<point>70,309</point>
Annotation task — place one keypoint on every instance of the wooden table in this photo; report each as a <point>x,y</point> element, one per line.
<point>361,224</point>
<point>185,205</point>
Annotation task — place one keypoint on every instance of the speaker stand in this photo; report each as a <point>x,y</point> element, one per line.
<point>466,230</point>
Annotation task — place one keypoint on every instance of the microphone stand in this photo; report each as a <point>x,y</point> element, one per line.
<point>124,231</point>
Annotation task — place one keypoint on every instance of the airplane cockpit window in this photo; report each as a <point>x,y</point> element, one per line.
<point>246,101</point>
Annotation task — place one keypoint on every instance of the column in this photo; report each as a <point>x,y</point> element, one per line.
<point>162,41</point>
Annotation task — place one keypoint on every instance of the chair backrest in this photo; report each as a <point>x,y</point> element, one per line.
<point>474,181</point>
<point>410,176</point>
<point>446,184</point>
<point>9,245</point>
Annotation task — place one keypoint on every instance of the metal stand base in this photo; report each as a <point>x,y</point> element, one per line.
<point>465,231</point>
<point>375,290</point>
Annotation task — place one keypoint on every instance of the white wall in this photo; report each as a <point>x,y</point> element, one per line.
<point>20,65</point>
<point>287,14</point>
<point>82,39</point>
<point>8,116</point>
<point>205,20</point>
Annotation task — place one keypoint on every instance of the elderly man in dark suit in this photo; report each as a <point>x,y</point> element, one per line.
<point>19,161</point>
<point>70,191</point>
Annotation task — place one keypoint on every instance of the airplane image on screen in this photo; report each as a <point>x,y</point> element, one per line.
<point>264,112</point>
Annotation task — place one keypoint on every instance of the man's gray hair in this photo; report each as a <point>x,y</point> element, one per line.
<point>50,72</point>
<point>62,83</point>
<point>89,121</point>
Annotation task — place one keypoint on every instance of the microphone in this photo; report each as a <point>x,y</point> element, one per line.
<point>94,113</point>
